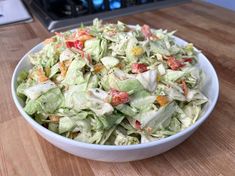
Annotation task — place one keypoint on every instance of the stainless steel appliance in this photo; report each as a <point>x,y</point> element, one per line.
<point>64,14</point>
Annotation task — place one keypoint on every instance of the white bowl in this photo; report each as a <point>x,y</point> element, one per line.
<point>121,153</point>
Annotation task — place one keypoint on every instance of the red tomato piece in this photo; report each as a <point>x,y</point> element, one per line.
<point>137,124</point>
<point>118,97</point>
<point>138,68</point>
<point>146,31</point>
<point>78,44</point>
<point>69,44</point>
<point>185,88</point>
<point>188,60</point>
<point>174,64</point>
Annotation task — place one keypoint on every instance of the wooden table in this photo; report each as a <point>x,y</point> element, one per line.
<point>209,151</point>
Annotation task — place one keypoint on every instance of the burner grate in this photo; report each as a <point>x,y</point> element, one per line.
<point>66,14</point>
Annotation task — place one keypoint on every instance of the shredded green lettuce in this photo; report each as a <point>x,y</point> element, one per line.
<point>112,84</point>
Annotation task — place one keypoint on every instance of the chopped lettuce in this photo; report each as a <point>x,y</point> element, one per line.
<point>109,62</point>
<point>74,74</point>
<point>122,139</point>
<point>126,110</point>
<point>142,100</point>
<point>112,84</point>
<point>124,82</point>
<point>148,79</point>
<point>35,91</point>
<point>65,124</point>
<point>96,48</point>
<point>46,103</point>
<point>111,120</point>
<point>157,119</point>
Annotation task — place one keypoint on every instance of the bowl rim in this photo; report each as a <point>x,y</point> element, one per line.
<point>40,129</point>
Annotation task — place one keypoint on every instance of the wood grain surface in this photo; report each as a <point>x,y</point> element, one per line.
<point>209,151</point>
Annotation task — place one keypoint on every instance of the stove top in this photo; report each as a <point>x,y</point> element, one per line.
<point>59,15</point>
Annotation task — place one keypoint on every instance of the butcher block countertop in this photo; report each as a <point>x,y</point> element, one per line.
<point>209,151</point>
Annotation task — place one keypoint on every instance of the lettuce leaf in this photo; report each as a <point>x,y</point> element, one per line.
<point>196,96</point>
<point>109,61</point>
<point>172,75</point>
<point>142,100</point>
<point>96,48</point>
<point>36,90</point>
<point>111,120</point>
<point>74,74</point>
<point>122,139</point>
<point>148,79</point>
<point>66,124</point>
<point>192,111</point>
<point>157,119</point>
<point>98,102</point>
<point>126,110</point>
<point>123,82</point>
<point>75,97</point>
<point>46,103</point>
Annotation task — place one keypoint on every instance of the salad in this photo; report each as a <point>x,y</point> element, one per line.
<point>112,84</point>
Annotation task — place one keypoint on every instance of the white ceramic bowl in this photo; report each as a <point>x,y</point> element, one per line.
<point>121,153</point>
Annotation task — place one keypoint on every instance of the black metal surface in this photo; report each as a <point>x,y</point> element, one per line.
<point>66,14</point>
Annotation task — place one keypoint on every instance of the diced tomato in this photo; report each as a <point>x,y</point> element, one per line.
<point>147,33</point>
<point>69,44</point>
<point>188,60</point>
<point>78,44</point>
<point>138,68</point>
<point>174,64</point>
<point>185,88</point>
<point>137,124</point>
<point>118,97</point>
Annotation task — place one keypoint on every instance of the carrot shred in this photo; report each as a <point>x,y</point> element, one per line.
<point>63,69</point>
<point>120,65</point>
<point>49,40</point>
<point>98,68</point>
<point>41,75</point>
<point>162,100</point>
<point>54,118</point>
<point>67,63</point>
<point>84,37</point>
